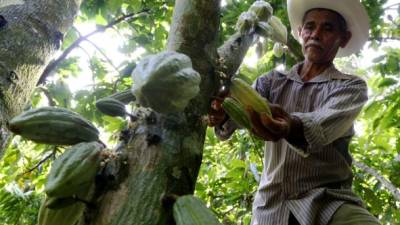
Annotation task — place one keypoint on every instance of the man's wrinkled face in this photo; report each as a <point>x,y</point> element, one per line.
<point>321,35</point>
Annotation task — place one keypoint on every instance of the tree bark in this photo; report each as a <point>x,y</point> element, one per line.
<point>30,33</point>
<point>161,154</point>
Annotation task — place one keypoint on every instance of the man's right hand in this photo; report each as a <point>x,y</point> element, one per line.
<point>216,114</point>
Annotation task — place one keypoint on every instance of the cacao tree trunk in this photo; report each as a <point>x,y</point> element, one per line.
<point>164,152</point>
<point>161,154</point>
<point>31,31</point>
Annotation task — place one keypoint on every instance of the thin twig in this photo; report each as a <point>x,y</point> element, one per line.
<point>99,50</point>
<point>104,55</point>
<point>53,65</point>
<point>385,39</point>
<point>41,161</point>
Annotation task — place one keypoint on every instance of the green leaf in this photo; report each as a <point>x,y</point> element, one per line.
<point>386,82</point>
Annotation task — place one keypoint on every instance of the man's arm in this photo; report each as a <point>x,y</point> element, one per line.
<point>312,130</point>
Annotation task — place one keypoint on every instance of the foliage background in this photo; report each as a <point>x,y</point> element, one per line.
<point>230,169</point>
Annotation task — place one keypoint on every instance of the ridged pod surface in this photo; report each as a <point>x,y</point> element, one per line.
<point>125,96</point>
<point>236,112</point>
<point>64,213</point>
<point>52,125</point>
<point>65,216</point>
<point>75,169</point>
<point>247,96</point>
<point>165,82</point>
<point>246,23</point>
<point>189,210</point>
<point>111,107</point>
<point>279,33</point>
<point>262,9</point>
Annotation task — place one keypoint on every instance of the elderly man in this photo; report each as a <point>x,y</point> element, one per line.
<point>307,173</point>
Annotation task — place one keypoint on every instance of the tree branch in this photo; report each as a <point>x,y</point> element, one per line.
<point>48,96</point>
<point>392,189</point>
<point>384,38</point>
<point>41,161</point>
<point>53,65</point>
<point>233,51</point>
<point>390,6</point>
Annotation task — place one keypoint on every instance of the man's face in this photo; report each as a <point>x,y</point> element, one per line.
<point>321,35</point>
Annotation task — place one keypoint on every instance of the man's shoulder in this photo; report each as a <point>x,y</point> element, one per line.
<point>352,79</point>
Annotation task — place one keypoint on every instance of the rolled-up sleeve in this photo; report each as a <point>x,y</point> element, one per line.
<point>335,116</point>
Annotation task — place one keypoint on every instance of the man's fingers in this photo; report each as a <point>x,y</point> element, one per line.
<point>274,125</point>
<point>257,127</point>
<point>216,104</point>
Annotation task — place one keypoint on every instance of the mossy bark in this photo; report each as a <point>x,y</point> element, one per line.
<point>164,152</point>
<point>30,33</point>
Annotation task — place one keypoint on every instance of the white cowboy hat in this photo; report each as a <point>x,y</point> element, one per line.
<point>352,11</point>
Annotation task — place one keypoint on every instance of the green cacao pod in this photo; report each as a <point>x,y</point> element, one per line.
<point>111,107</point>
<point>165,82</point>
<point>65,216</point>
<point>246,23</point>
<point>59,203</point>
<point>51,125</point>
<point>74,170</point>
<point>236,112</point>
<point>262,9</point>
<point>125,96</point>
<point>189,210</point>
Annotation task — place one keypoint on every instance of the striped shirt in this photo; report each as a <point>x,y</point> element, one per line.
<point>309,183</point>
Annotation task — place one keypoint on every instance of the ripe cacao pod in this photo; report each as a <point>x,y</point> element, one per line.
<point>236,112</point>
<point>74,170</point>
<point>51,125</point>
<point>262,9</point>
<point>247,96</point>
<point>246,23</point>
<point>189,210</point>
<point>165,82</point>
<point>111,107</point>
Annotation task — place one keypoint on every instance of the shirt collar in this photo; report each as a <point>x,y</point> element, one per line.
<point>330,73</point>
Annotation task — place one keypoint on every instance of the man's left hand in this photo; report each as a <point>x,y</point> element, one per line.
<point>271,128</point>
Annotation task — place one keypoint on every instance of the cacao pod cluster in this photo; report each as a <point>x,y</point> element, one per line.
<point>259,19</point>
<point>71,178</point>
